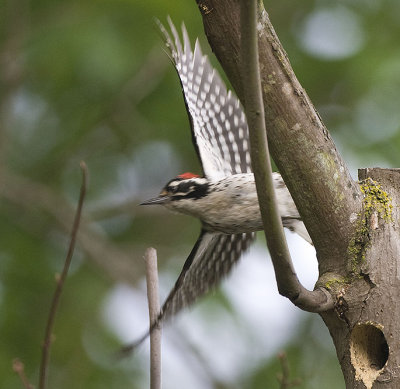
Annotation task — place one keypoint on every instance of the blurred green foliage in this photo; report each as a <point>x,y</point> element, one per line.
<point>89,80</point>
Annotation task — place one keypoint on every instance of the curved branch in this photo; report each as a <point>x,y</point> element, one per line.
<point>286,277</point>
<point>317,177</point>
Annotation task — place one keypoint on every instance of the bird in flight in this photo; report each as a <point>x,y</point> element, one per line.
<point>224,197</point>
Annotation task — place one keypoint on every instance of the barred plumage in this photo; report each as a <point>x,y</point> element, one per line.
<point>219,126</point>
<point>212,257</point>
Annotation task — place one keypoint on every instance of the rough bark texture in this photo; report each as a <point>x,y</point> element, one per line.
<point>299,142</point>
<point>367,334</point>
<point>356,234</point>
<point>318,300</point>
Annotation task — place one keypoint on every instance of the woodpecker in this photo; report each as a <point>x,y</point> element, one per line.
<point>224,198</point>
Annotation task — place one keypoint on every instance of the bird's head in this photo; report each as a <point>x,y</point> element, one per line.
<point>186,186</point>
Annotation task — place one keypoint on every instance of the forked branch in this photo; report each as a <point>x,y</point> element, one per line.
<point>286,277</point>
<point>314,172</point>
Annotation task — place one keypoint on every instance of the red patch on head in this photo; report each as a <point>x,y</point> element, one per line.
<point>188,175</point>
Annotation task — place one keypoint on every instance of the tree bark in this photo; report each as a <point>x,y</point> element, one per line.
<point>300,144</point>
<point>318,300</point>
<point>354,227</point>
<point>366,329</point>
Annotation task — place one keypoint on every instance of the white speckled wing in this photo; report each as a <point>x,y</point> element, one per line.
<point>211,259</point>
<point>218,123</point>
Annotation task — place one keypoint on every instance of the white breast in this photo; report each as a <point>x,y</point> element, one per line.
<point>231,205</point>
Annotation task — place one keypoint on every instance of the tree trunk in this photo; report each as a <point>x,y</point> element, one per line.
<point>356,237</point>
<point>300,144</point>
<point>365,326</point>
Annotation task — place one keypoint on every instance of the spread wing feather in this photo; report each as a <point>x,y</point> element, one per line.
<point>218,124</point>
<point>211,259</point>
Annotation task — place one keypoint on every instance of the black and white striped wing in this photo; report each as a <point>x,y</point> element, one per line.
<point>218,123</point>
<point>211,259</point>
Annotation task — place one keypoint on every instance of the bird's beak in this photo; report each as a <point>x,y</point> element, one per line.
<point>156,200</point>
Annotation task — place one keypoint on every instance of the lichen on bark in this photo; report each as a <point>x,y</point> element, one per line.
<point>377,204</point>
<point>333,282</point>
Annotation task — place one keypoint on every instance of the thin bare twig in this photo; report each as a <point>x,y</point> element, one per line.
<point>284,377</point>
<point>60,282</point>
<point>19,368</point>
<point>154,309</point>
<point>286,277</point>
<point>99,249</point>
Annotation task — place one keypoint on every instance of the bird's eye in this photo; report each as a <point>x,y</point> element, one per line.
<point>171,189</point>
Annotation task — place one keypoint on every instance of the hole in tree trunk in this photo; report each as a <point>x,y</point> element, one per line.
<point>369,352</point>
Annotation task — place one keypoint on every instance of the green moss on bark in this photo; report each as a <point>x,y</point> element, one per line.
<point>333,282</point>
<point>376,202</point>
